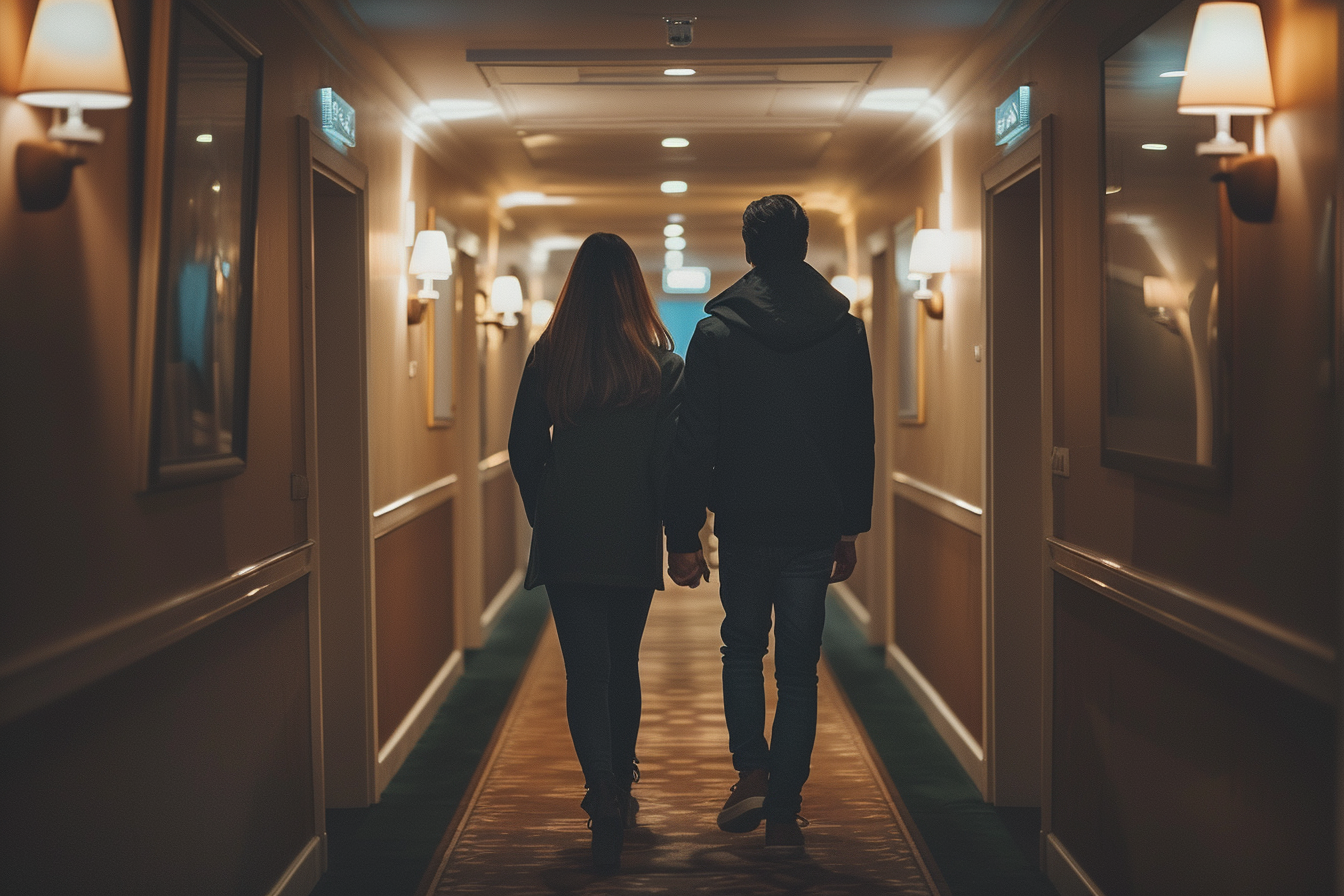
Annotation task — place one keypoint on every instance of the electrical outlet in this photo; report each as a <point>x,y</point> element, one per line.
<point>1059,461</point>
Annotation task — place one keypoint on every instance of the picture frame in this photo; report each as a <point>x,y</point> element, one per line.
<point>1166,282</point>
<point>910,324</point>
<point>198,242</point>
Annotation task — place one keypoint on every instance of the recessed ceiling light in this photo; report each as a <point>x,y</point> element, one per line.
<point>1110,191</point>
<point>1155,146</point>
<point>675,142</point>
<point>215,186</point>
<point>205,138</point>
<point>531,197</point>
<point>675,218</point>
<point>679,72</point>
<point>673,259</point>
<point>1175,74</point>
<point>675,242</point>
<point>895,99</point>
<point>673,230</point>
<point>679,186</point>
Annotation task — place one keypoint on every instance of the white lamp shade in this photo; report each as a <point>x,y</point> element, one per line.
<point>1227,66</point>
<point>506,295</point>
<point>431,258</point>
<point>846,285</point>
<point>930,253</point>
<point>75,57</point>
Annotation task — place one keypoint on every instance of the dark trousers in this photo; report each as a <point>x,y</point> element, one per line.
<point>600,629</point>
<point>791,581</point>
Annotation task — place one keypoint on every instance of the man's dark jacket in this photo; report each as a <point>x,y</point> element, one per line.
<point>776,429</point>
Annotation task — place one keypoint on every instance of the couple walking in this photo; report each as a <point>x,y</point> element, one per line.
<point>769,423</point>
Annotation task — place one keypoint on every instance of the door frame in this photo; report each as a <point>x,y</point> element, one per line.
<point>347,774</point>
<point>1032,155</point>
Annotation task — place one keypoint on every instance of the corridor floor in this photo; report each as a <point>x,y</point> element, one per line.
<point>520,829</point>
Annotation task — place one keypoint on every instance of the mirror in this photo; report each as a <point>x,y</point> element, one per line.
<point>1166,302</point>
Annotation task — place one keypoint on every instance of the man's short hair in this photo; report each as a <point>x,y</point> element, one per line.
<point>774,229</point>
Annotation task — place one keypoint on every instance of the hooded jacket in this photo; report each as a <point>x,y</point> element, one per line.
<point>776,427</point>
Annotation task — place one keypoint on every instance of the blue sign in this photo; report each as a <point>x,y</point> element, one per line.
<point>1012,117</point>
<point>338,117</point>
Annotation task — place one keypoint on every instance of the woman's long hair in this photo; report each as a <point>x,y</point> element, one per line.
<point>597,350</point>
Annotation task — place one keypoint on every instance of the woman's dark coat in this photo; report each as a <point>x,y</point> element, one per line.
<point>593,489</point>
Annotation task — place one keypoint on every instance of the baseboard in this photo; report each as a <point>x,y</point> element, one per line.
<point>303,873</point>
<point>403,740</point>
<point>853,606</point>
<point>960,741</point>
<point>1065,873</point>
<point>497,603</point>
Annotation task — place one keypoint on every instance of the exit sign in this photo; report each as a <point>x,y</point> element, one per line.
<point>338,117</point>
<point>1012,117</point>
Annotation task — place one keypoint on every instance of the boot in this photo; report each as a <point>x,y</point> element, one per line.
<point>629,805</point>
<point>603,805</point>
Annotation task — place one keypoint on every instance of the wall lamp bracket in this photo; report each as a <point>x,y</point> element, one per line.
<point>42,172</point>
<point>1252,183</point>
<point>931,299</point>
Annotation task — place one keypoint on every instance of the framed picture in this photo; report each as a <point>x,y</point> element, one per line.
<point>439,319</point>
<point>1167,316</point>
<point>194,322</point>
<point>910,316</point>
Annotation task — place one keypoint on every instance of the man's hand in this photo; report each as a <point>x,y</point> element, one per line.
<point>845,558</point>
<point>688,569</point>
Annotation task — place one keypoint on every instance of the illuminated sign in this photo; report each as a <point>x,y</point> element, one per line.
<point>1012,117</point>
<point>338,117</point>
<point>686,280</point>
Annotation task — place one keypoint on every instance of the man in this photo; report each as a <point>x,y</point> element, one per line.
<point>776,437</point>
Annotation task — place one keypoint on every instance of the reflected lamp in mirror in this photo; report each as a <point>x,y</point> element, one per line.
<point>431,260</point>
<point>1226,74</point>
<point>930,254</point>
<point>506,302</point>
<point>74,61</point>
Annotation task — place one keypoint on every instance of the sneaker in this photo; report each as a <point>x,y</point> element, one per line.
<point>746,805</point>
<point>783,836</point>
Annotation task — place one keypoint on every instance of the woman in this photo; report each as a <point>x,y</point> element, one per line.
<point>591,427</point>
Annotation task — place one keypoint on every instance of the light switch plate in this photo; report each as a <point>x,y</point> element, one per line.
<point>1059,461</point>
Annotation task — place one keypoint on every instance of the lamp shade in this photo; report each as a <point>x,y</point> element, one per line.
<point>930,253</point>
<point>75,58</point>
<point>1227,65</point>
<point>506,295</point>
<point>431,259</point>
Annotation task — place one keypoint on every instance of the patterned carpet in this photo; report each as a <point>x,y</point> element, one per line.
<point>521,830</point>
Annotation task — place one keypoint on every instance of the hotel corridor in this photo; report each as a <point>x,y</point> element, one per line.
<point>520,830</point>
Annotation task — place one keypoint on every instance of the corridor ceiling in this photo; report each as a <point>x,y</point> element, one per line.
<point>569,98</point>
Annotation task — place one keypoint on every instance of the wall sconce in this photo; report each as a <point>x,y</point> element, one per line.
<point>74,62</point>
<point>430,260</point>
<point>506,302</point>
<point>930,254</point>
<point>1226,74</point>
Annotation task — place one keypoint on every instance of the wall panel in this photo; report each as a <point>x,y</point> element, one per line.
<point>187,772</point>
<point>413,598</point>
<point>501,527</point>
<point>1178,769</point>
<point>938,615</point>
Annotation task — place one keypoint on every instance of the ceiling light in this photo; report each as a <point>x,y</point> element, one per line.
<point>1111,191</point>
<point>895,99</point>
<point>673,186</point>
<point>673,259</point>
<point>453,110</point>
<point>532,197</point>
<point>1175,74</point>
<point>205,138</point>
<point>686,280</point>
<point>678,72</point>
<point>675,142</point>
<point>673,230</point>
<point>1155,146</point>
<point>675,218</point>
<point>674,242</point>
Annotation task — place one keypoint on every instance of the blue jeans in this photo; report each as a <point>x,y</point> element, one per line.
<point>791,580</point>
<point>600,629</point>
